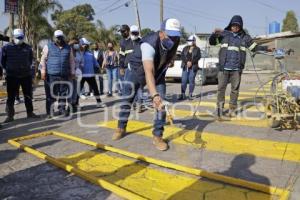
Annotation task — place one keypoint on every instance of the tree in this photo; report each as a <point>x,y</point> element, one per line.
<point>184,35</point>
<point>76,22</point>
<point>102,35</point>
<point>33,21</point>
<point>290,22</point>
<point>145,31</point>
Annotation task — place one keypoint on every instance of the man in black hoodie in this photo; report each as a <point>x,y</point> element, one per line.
<point>232,56</point>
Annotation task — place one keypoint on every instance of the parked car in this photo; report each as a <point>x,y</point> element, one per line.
<point>208,66</point>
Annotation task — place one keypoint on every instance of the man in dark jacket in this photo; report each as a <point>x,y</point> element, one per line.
<point>232,56</point>
<point>98,53</point>
<point>148,64</point>
<point>17,60</point>
<point>190,56</point>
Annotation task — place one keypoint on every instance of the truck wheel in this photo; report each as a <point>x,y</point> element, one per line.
<point>271,116</point>
<point>200,78</point>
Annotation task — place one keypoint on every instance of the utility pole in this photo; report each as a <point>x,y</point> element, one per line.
<point>11,26</point>
<point>161,11</point>
<point>137,15</point>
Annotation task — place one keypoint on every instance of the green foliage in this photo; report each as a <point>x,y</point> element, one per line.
<point>290,22</point>
<point>103,35</point>
<point>75,22</point>
<point>33,21</point>
<point>184,35</point>
<point>145,31</point>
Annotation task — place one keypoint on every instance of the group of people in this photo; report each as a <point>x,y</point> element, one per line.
<point>140,62</point>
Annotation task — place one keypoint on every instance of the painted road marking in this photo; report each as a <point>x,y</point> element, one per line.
<point>86,166</point>
<point>152,183</point>
<point>217,142</point>
<point>249,121</point>
<point>251,106</point>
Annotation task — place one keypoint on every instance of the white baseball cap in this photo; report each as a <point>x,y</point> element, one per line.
<point>171,26</point>
<point>84,41</point>
<point>58,33</point>
<point>191,38</point>
<point>18,33</point>
<point>134,28</point>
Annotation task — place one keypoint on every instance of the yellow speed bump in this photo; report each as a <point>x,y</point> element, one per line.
<point>282,193</point>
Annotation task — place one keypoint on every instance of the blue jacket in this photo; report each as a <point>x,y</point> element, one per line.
<point>90,64</point>
<point>232,54</point>
<point>17,59</point>
<point>162,58</point>
<point>58,62</point>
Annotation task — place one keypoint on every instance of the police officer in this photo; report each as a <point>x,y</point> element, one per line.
<point>232,56</point>
<point>17,60</point>
<point>190,56</point>
<point>148,65</point>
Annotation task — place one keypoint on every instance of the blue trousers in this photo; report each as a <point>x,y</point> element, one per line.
<point>112,76</point>
<point>129,91</point>
<point>59,90</point>
<point>188,76</point>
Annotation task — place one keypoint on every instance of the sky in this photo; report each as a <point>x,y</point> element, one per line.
<point>195,15</point>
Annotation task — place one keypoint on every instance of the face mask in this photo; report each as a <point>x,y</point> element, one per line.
<point>76,46</point>
<point>190,43</point>
<point>167,43</point>
<point>110,48</point>
<point>59,40</point>
<point>134,37</point>
<point>18,41</point>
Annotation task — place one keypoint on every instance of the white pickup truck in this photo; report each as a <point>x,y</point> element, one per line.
<point>207,65</point>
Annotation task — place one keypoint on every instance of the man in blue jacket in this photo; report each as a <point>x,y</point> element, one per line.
<point>232,57</point>
<point>17,60</point>
<point>58,68</point>
<point>148,65</point>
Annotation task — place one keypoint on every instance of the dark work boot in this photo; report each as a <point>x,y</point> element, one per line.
<point>232,111</point>
<point>8,119</point>
<point>32,116</point>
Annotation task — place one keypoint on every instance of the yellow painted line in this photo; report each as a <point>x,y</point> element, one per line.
<point>249,121</point>
<point>249,107</point>
<point>217,142</point>
<point>155,184</point>
<point>3,94</point>
<point>259,94</point>
<point>217,177</point>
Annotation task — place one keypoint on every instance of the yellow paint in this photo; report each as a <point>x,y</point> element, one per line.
<point>3,93</point>
<point>249,121</point>
<point>198,172</point>
<point>218,142</point>
<point>253,93</point>
<point>155,184</point>
<point>250,107</point>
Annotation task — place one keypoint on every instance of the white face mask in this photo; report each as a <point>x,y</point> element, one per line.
<point>76,46</point>
<point>134,37</point>
<point>190,43</point>
<point>18,41</point>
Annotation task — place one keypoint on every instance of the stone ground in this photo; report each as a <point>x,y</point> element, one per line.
<point>23,176</point>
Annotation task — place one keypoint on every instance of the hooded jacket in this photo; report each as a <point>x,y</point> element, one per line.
<point>232,54</point>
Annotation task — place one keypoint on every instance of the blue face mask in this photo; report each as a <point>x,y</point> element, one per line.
<point>167,43</point>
